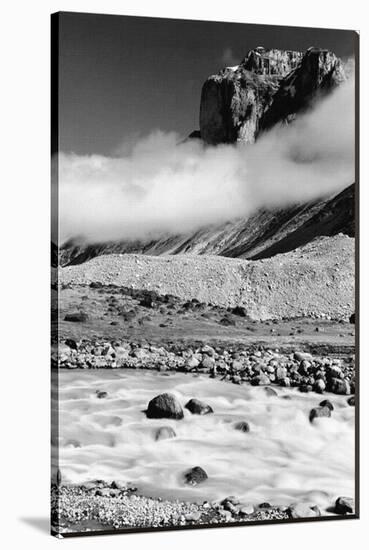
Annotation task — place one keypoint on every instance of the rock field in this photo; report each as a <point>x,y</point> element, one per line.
<point>316,280</point>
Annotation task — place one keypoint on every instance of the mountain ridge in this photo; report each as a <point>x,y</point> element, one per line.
<point>267,88</point>
<point>264,234</point>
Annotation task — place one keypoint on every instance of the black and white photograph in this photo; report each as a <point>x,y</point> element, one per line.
<point>204,252</point>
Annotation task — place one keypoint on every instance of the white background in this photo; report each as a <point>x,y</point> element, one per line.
<point>24,307</point>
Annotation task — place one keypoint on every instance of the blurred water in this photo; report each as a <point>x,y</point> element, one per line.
<point>284,458</point>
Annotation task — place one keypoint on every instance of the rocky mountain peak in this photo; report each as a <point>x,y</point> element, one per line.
<point>267,87</point>
<point>271,62</point>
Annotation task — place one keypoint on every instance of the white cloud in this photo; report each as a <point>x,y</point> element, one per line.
<point>158,186</point>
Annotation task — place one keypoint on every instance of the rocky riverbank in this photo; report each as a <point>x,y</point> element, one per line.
<point>237,364</point>
<point>98,505</point>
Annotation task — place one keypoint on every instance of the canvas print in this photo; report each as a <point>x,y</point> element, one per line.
<point>204,228</point>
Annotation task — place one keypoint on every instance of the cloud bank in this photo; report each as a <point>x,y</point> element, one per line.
<point>160,186</point>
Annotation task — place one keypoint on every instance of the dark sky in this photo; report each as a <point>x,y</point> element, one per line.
<point>122,77</point>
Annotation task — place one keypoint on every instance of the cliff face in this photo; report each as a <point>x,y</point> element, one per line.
<point>269,86</point>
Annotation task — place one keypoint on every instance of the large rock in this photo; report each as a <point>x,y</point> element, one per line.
<point>267,87</point>
<point>195,406</point>
<point>195,476</point>
<point>164,405</point>
<point>344,505</point>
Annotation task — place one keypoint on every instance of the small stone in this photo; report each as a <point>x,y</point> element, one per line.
<point>286,382</point>
<point>227,321</point>
<point>118,485</point>
<point>72,344</point>
<point>247,510</point>
<point>195,476</point>
<point>208,350</point>
<point>165,432</point>
<point>236,365</point>
<point>303,510</point>
<point>230,505</point>
<point>260,380</point>
<point>101,394</point>
<point>194,516</point>
<point>242,426</point>
<point>340,386</point>
<point>319,386</point>
<point>239,310</point>
<point>319,412</point>
<point>76,317</point>
<point>344,505</point>
<point>195,406</point>
<point>270,392</point>
<point>305,388</point>
<point>265,505</point>
<point>192,363</point>
<point>207,362</point>
<point>140,354</point>
<point>351,401</point>
<point>226,514</point>
<point>302,356</point>
<point>327,403</point>
<point>281,373</point>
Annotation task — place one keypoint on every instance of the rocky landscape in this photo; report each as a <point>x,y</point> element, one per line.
<point>267,289</point>
<point>201,349</point>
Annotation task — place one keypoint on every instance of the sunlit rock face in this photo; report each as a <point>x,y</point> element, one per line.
<point>269,86</point>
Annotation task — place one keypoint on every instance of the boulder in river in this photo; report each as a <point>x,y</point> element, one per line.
<point>165,405</point>
<point>344,505</point>
<point>195,476</point>
<point>327,403</point>
<point>319,412</point>
<point>165,432</point>
<point>242,426</point>
<point>195,406</point>
<point>101,394</point>
<point>270,391</point>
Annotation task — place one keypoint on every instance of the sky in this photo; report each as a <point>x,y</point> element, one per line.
<point>122,78</point>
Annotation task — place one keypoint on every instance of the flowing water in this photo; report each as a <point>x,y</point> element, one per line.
<point>283,459</point>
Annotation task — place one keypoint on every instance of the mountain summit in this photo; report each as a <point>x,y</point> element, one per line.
<point>269,86</point>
